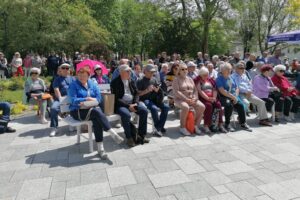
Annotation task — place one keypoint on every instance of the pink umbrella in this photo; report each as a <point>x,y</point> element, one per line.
<point>91,64</point>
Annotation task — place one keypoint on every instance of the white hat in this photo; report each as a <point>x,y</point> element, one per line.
<point>191,64</point>
<point>35,69</point>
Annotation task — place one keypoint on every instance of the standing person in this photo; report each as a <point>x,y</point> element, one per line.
<point>264,57</point>
<point>37,61</point>
<point>229,93</point>
<point>152,95</point>
<point>5,118</point>
<point>52,64</point>
<point>126,102</point>
<point>16,65</point>
<point>289,93</point>
<point>83,90</point>
<point>3,64</point>
<point>60,86</point>
<point>77,59</point>
<point>208,95</point>
<point>186,96</point>
<point>163,57</point>
<point>275,60</point>
<point>27,64</point>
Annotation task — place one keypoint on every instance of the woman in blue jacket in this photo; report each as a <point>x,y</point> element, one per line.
<point>82,92</point>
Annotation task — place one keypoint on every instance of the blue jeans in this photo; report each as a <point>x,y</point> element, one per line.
<point>159,122</point>
<point>55,109</point>
<point>5,107</point>
<point>125,118</point>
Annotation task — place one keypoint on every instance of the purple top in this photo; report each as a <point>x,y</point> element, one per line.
<point>262,86</point>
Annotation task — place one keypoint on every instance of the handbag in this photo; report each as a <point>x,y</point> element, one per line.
<point>190,122</point>
<point>89,104</point>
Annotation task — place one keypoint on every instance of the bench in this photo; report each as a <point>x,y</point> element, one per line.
<point>64,108</point>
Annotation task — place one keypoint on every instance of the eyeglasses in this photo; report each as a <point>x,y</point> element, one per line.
<point>282,71</point>
<point>99,69</point>
<point>184,69</point>
<point>34,73</point>
<point>67,68</point>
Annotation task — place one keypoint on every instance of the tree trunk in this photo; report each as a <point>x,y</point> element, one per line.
<point>205,38</point>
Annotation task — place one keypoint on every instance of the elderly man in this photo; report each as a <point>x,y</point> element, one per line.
<point>212,72</point>
<point>5,118</point>
<point>192,72</point>
<point>127,101</point>
<point>152,95</point>
<point>60,85</point>
<point>116,72</point>
<point>235,59</point>
<point>245,92</point>
<point>275,60</point>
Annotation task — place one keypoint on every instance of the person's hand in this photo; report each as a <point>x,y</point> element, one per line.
<point>234,99</point>
<point>248,94</point>
<point>132,107</point>
<point>156,89</point>
<point>276,89</point>
<point>290,89</point>
<point>90,99</point>
<point>150,88</point>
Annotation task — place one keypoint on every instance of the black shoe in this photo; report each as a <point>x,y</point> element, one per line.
<point>130,143</point>
<point>246,127</point>
<point>163,130</point>
<point>145,140</point>
<point>10,130</point>
<point>277,120</point>
<point>229,128</point>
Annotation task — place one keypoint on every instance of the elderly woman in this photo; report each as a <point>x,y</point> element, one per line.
<point>229,93</point>
<point>246,93</point>
<point>98,77</point>
<point>16,65</point>
<point>289,93</point>
<point>85,97</point>
<point>213,74</point>
<point>208,93</point>
<point>192,72</point>
<point>35,91</point>
<point>264,88</point>
<point>186,96</point>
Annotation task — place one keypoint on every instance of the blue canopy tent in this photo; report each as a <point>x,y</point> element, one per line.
<point>292,37</point>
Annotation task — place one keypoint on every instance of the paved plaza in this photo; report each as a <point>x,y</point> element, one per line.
<point>262,165</point>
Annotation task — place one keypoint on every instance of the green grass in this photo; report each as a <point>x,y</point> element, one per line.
<point>11,96</point>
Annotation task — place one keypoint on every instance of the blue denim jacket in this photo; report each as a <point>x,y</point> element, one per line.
<point>78,93</point>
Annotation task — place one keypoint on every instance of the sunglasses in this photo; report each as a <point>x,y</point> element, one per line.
<point>67,68</point>
<point>99,69</point>
<point>184,69</point>
<point>282,71</point>
<point>33,73</point>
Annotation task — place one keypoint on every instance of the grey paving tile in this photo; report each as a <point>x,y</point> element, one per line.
<point>169,190</point>
<point>199,189</point>
<point>26,174</point>
<point>164,165</point>
<point>277,192</point>
<point>292,185</point>
<point>226,196</point>
<point>58,190</point>
<point>266,176</point>
<point>215,178</point>
<point>91,191</point>
<point>35,189</point>
<point>120,176</point>
<point>244,190</point>
<point>245,156</point>
<point>9,190</point>
<point>168,178</point>
<point>142,191</point>
<point>189,165</point>
<point>233,167</point>
<point>96,176</point>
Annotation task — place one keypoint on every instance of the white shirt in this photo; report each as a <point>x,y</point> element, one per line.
<point>127,93</point>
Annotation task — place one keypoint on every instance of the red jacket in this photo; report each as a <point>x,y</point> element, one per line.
<point>283,84</point>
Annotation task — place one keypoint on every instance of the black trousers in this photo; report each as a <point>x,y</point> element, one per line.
<point>228,109</point>
<point>98,119</point>
<point>291,104</point>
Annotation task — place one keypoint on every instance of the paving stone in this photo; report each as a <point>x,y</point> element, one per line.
<point>9,190</point>
<point>226,196</point>
<point>121,197</point>
<point>164,165</point>
<point>199,189</point>
<point>221,189</point>
<point>233,167</point>
<point>292,185</point>
<point>244,190</point>
<point>120,176</point>
<point>266,176</point>
<point>198,142</point>
<point>35,189</point>
<point>26,174</point>
<point>263,197</point>
<point>146,148</point>
<point>189,165</point>
<point>58,189</point>
<point>141,191</point>
<point>91,191</point>
<point>277,192</point>
<point>96,176</point>
<point>168,190</point>
<point>168,178</point>
<point>289,147</point>
<point>215,178</point>
<point>245,156</point>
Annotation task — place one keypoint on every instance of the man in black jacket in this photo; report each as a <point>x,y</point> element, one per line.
<point>127,101</point>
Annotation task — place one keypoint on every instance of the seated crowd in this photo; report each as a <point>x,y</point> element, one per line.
<point>210,89</point>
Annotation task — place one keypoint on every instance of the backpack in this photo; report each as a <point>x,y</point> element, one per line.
<point>190,122</point>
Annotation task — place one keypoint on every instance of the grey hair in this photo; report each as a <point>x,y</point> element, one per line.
<point>203,70</point>
<point>164,65</point>
<point>225,66</point>
<point>215,57</point>
<point>279,67</point>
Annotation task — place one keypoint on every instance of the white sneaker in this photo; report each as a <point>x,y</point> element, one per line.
<point>184,131</point>
<point>197,130</point>
<point>118,139</point>
<point>288,119</point>
<point>53,132</point>
<point>118,125</point>
<point>43,121</point>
